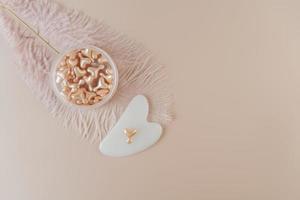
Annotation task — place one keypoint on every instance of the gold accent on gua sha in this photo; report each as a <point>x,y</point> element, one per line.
<point>129,134</point>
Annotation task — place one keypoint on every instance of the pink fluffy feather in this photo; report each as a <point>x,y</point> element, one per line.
<point>65,28</point>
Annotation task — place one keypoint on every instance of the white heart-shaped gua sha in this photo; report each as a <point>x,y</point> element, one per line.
<point>132,133</point>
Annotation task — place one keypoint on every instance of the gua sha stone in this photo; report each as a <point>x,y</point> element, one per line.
<point>134,118</point>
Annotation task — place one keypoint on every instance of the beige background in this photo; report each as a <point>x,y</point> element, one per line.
<point>236,71</point>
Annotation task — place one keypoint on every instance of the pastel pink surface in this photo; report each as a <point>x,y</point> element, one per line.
<point>236,136</point>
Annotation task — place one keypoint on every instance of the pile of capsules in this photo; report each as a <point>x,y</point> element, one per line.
<point>84,77</point>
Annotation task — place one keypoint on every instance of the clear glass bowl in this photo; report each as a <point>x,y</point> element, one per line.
<point>85,77</point>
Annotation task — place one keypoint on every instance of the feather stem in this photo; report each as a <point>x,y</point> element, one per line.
<point>13,14</point>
